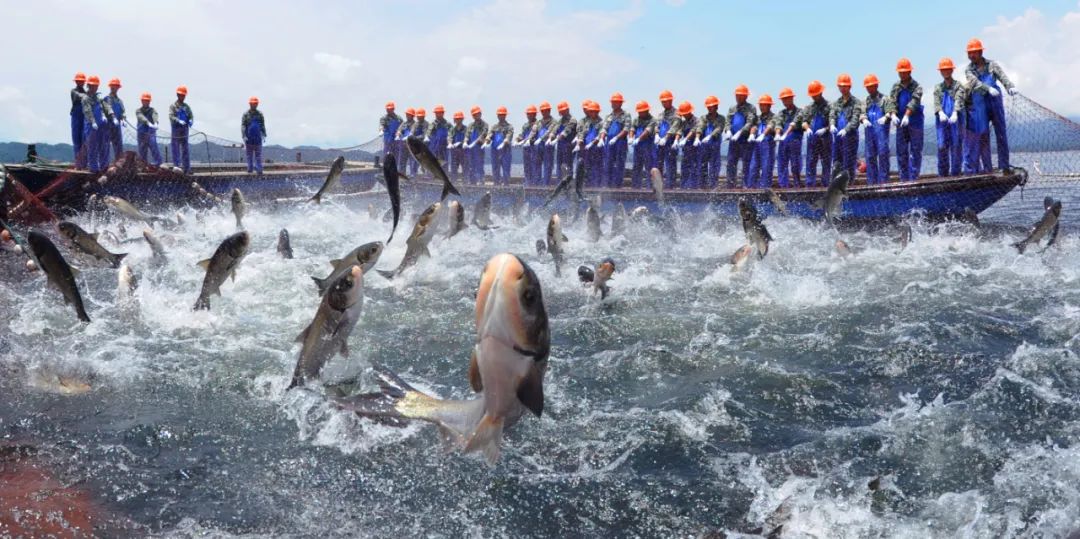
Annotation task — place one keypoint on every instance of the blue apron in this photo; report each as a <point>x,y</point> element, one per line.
<point>873,114</point>
<point>842,120</point>
<point>816,123</point>
<point>663,127</point>
<point>978,114</point>
<point>497,139</point>
<point>458,136</point>
<point>541,132</point>
<point>438,136</point>
<point>916,118</point>
<point>592,133</point>
<point>99,114</point>
<point>391,130</point>
<point>738,121</point>
<point>614,129</point>
<point>947,106</point>
<point>709,128</point>
<point>254,131</point>
<point>117,113</point>
<point>474,134</point>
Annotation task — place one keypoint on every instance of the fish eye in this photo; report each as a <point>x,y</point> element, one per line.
<point>528,296</point>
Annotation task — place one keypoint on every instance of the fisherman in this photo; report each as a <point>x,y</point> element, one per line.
<point>613,138</point>
<point>643,130</point>
<point>253,129</point>
<point>763,149</point>
<point>77,123</point>
<point>815,123</point>
<point>742,123</point>
<point>564,136</point>
<point>528,152</point>
<point>877,125</point>
<point>545,153</point>
<point>114,110</point>
<point>419,129</point>
<point>404,130</point>
<point>147,125</point>
<point>436,135</point>
<point>685,137</point>
<point>711,128</point>
<point>456,137</point>
<point>94,124</point>
<point>181,120</point>
<point>906,99</point>
<point>498,138</point>
<point>948,108</point>
<point>844,118</point>
<point>588,139</point>
<point>983,77</point>
<point>474,152</point>
<point>388,126</point>
<point>788,130</point>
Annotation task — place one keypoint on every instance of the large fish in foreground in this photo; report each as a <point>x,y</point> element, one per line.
<point>418,241</point>
<point>332,178</point>
<point>423,155</point>
<point>364,256</point>
<point>755,230</point>
<point>221,266</point>
<point>88,243</point>
<point>1048,224</point>
<point>329,331</point>
<point>393,188</point>
<point>60,275</point>
<point>506,369</point>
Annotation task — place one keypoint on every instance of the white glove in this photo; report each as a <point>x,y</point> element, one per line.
<point>904,121</point>
<point>153,126</point>
<point>577,147</point>
<point>864,122</point>
<point>725,136</point>
<point>842,133</point>
<point>1014,90</point>
<point>658,140</point>
<point>832,129</point>
<point>116,121</point>
<point>427,139</point>
<point>633,141</point>
<point>942,116</point>
<point>953,118</point>
<point>697,142</point>
<point>709,138</point>
<point>806,134</point>
<point>503,145</point>
<point>485,145</point>
<point>895,120</point>
<point>552,142</point>
<point>735,137</point>
<point>821,131</point>
<point>784,137</point>
<point>882,120</point>
<point>992,91</point>
<point>93,125</point>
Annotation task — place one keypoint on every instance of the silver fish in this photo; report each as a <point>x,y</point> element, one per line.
<point>418,241</point>
<point>221,266</point>
<point>755,230</point>
<point>126,209</point>
<point>155,245</point>
<point>423,154</point>
<point>88,243</point>
<point>833,201</point>
<point>555,243</point>
<point>457,219</point>
<point>740,257</point>
<point>1048,224</point>
<point>481,217</point>
<point>597,279</point>
<point>332,178</point>
<point>284,246</point>
<point>329,331</point>
<point>126,283</point>
<point>657,180</point>
<point>239,206</point>
<point>618,220</point>
<point>592,221</point>
<point>364,256</point>
<point>777,202</point>
<point>843,249</point>
<point>58,272</point>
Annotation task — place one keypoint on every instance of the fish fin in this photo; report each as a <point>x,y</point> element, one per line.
<point>530,390</point>
<point>486,438</point>
<point>75,271</point>
<point>426,252</point>
<point>336,262</point>
<point>232,275</point>
<point>303,334</point>
<point>389,275</point>
<point>1020,246</point>
<point>204,264</point>
<point>94,235</point>
<point>564,238</point>
<point>404,177</point>
<point>321,284</point>
<point>116,258</point>
<point>1047,202</point>
<point>474,373</point>
<point>1053,235</point>
<point>202,304</point>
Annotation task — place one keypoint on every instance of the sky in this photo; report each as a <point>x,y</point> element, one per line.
<point>324,70</point>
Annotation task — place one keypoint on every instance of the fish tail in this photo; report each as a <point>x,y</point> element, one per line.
<point>321,284</point>
<point>82,314</point>
<point>389,275</point>
<point>117,258</point>
<point>1020,246</point>
<point>203,303</point>
<point>486,438</point>
<point>316,199</point>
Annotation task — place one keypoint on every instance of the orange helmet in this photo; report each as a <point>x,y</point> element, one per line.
<point>786,93</point>
<point>410,111</point>
<point>93,80</point>
<point>945,63</point>
<point>475,110</point>
<point>439,109</point>
<point>544,105</point>
<point>563,106</point>
<point>594,106</point>
<point>616,97</point>
<point>666,96</point>
<point>181,90</point>
<point>642,106</point>
<point>742,90</point>
<point>501,111</point>
<point>712,101</point>
<point>420,112</point>
<point>80,77</point>
<point>765,100</point>
<point>389,105</point>
<point>531,109</point>
<point>815,88</point>
<point>974,45</point>
<point>903,66</point>
<point>145,96</point>
<point>685,108</point>
<point>114,82</point>
<point>870,80</point>
<point>253,101</point>
<point>844,80</point>
<point>459,115</point>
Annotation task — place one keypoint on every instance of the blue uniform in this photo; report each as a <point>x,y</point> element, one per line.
<point>401,150</point>
<point>710,130</point>
<point>146,124</point>
<point>438,134</point>
<point>115,110</point>
<point>763,154</point>
<point>253,129</point>
<point>789,151</point>
<point>845,117</point>
<point>474,154</point>
<point>818,146</point>
<point>948,99</point>
<point>909,139</point>
<point>529,153</point>
<point>589,130</point>
<point>94,136</point>
<point>500,136</point>
<point>565,134</point>
<point>545,153</point>
<point>181,120</point>
<point>741,119</point>
<point>690,168</point>
<point>877,139</point>
<point>388,127</point>
<point>643,130</point>
<point>979,82</point>
<point>77,122</point>
<point>615,151</point>
<point>666,156</point>
<point>456,137</point>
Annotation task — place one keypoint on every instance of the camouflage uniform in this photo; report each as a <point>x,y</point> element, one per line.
<point>818,147</point>
<point>763,152</point>
<point>116,114</point>
<point>741,119</point>
<point>907,100</point>
<point>475,135</point>
<point>566,129</point>
<point>949,99</point>
<point>501,134</point>
<point>253,129</point>
<point>437,135</point>
<point>146,119</point>
<point>984,111</point>
<point>644,131</point>
<point>95,138</point>
<point>542,132</point>
<point>666,156</point>
<point>690,165</point>
<point>789,150</point>
<point>77,125</point>
<point>403,156</point>
<point>614,167</point>
<point>456,135</point>
<point>711,127</point>
<point>877,138</point>
<point>528,152</point>
<point>844,115</point>
<point>593,156</point>
<point>388,126</point>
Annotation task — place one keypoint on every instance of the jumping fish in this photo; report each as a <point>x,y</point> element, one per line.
<point>125,208</point>
<point>755,230</point>
<point>332,178</point>
<point>1048,224</point>
<point>221,266</point>
<point>423,154</point>
<point>482,213</point>
<point>329,331</point>
<point>239,206</point>
<point>88,243</point>
<point>418,241</point>
<point>59,274</point>
<point>364,256</point>
<point>555,242</point>
<point>393,188</point>
<point>457,219</point>
<point>284,246</point>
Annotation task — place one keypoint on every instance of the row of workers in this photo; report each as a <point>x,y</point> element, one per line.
<point>759,141</point>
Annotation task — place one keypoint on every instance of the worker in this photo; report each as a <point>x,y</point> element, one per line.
<point>642,131</point>
<point>948,109</point>
<point>181,119</point>
<point>763,146</point>
<point>545,153</point>
<point>253,129</point>
<point>788,131</point>
<point>563,139</point>
<point>877,132</point>
<point>666,155</point>
<point>613,135</point>
<point>456,140</point>
<point>404,131</point>
<point>474,151</point>
<point>905,107</point>
<point>844,119</point>
<point>436,135</point>
<point>711,127</point>
<point>588,139</point>
<point>419,130</point>
<point>388,126</point>
<point>499,138</point>
<point>528,152</point>
<point>114,110</point>
<point>146,119</point>
<point>685,138</point>
<point>94,125</point>
<point>742,123</point>
<point>983,77</point>
<point>77,123</point>
<point>815,124</point>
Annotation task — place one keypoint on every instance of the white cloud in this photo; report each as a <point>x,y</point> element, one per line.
<point>336,67</point>
<point>471,63</point>
<point>10,93</point>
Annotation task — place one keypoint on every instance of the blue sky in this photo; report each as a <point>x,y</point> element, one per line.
<point>324,70</point>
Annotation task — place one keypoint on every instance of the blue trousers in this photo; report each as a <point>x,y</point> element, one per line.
<point>644,161</point>
<point>148,147</point>
<point>761,163</point>
<point>500,165</point>
<point>474,164</point>
<point>738,150</point>
<point>846,152</point>
<point>615,163</point>
<point>997,120</point>
<point>78,138</point>
<point>667,160</point>
<point>93,141</point>
<point>691,167</point>
<point>818,150</point>
<point>528,161</point>
<point>116,140</point>
<point>789,160</point>
<point>594,165</point>
<point>950,149</point>
<point>564,158</point>
<point>909,146</point>
<point>547,163</point>
<point>254,157</point>
<point>877,154</point>
<point>711,160</point>
<point>439,149</point>
<point>457,163</point>
<point>976,156</point>
<point>180,154</point>
<point>401,153</point>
